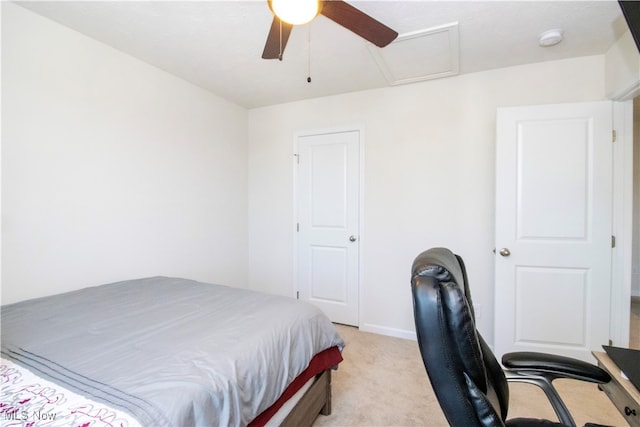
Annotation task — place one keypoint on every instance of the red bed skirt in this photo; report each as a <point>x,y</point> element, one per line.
<point>324,360</point>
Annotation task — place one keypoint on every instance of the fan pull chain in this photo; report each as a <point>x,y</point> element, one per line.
<point>309,52</point>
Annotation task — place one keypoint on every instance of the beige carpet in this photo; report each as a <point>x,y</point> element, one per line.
<point>382,382</point>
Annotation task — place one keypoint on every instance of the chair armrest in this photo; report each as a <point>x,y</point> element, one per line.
<point>553,366</point>
<point>541,369</point>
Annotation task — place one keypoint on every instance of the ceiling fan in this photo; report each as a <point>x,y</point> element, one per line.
<point>338,11</point>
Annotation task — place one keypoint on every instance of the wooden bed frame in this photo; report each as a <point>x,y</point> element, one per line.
<point>315,401</point>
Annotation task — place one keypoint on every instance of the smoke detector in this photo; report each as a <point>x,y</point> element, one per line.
<point>550,37</point>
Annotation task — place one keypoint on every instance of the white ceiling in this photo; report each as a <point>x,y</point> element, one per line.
<point>218,44</point>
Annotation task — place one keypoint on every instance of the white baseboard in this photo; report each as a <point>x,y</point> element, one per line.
<point>391,332</point>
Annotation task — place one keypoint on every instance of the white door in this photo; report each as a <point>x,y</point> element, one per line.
<point>328,188</point>
<point>553,228</point>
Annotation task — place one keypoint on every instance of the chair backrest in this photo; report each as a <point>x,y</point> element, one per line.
<point>466,378</point>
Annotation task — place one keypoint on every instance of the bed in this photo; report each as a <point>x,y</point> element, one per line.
<point>166,351</point>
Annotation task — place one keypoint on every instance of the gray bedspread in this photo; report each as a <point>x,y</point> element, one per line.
<point>169,351</point>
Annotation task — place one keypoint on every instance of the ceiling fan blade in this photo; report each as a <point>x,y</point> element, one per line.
<point>359,22</point>
<point>277,39</point>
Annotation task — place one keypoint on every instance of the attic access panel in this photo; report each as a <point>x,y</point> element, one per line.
<point>421,55</point>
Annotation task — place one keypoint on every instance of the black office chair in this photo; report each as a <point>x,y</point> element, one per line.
<point>470,385</point>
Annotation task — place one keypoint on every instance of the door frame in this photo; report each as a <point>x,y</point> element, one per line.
<point>622,216</point>
<point>361,235</point>
<point>621,260</point>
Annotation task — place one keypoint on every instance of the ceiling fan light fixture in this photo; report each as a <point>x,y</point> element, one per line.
<point>295,12</point>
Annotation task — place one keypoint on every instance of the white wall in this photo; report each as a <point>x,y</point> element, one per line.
<point>429,177</point>
<point>111,168</point>
<point>622,68</point>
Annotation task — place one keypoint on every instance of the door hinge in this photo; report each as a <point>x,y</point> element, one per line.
<point>297,294</point>
<point>610,342</point>
<point>298,227</point>
<point>614,136</point>
<point>297,156</point>
<point>613,241</point>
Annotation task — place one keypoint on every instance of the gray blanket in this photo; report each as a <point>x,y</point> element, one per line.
<point>169,351</point>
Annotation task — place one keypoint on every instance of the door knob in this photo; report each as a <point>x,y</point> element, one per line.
<point>352,238</point>
<point>505,252</point>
